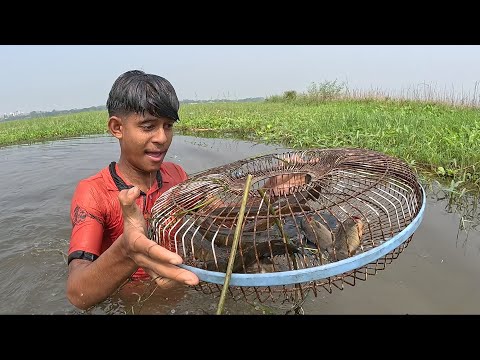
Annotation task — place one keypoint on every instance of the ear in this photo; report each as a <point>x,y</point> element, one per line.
<point>115,126</point>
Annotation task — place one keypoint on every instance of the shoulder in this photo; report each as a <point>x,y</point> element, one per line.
<point>174,171</point>
<point>92,187</point>
<point>94,181</point>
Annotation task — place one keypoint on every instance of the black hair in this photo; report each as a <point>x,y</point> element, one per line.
<point>137,92</point>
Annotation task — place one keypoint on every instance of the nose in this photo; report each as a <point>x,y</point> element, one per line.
<point>160,136</point>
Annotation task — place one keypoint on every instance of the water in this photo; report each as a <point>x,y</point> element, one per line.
<point>436,274</point>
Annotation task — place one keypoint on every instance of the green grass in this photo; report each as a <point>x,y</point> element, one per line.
<point>52,128</point>
<point>440,141</point>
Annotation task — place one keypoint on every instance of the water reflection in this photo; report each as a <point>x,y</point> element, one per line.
<point>437,272</point>
<point>462,203</point>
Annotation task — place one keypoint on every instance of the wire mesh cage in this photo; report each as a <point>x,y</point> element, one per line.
<point>313,220</point>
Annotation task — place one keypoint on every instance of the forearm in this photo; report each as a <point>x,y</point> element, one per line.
<point>90,283</point>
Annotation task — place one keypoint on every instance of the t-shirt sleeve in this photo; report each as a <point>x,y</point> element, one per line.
<point>87,220</point>
<point>181,172</point>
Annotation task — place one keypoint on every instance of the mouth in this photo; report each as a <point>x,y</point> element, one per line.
<point>156,156</point>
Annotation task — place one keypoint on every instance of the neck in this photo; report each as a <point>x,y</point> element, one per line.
<point>130,174</point>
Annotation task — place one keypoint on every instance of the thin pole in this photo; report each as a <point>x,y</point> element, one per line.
<point>233,252</point>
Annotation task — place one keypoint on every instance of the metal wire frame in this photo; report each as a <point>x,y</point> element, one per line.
<point>198,217</point>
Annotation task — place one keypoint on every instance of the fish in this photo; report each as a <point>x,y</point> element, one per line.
<point>223,235</point>
<point>335,240</point>
<point>319,232</point>
<point>215,258</point>
<point>219,223</point>
<point>266,251</point>
<point>348,238</point>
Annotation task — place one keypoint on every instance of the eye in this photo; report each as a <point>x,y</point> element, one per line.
<point>168,125</point>
<point>147,127</point>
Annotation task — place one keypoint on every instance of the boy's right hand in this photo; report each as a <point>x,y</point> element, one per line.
<point>153,258</point>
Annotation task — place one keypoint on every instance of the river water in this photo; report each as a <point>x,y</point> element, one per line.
<point>437,273</point>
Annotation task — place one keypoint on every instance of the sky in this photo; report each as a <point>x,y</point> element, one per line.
<point>66,77</point>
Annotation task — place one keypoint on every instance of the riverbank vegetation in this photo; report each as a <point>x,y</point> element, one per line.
<point>439,138</point>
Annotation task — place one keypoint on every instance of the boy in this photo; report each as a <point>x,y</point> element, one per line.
<point>109,209</point>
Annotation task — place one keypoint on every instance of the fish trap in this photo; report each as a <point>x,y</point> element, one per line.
<point>314,220</point>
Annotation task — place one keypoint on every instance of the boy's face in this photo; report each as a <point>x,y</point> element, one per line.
<point>144,140</point>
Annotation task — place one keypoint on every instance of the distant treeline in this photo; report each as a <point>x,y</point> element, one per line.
<point>37,114</point>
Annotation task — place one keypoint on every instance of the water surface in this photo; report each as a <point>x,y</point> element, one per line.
<point>436,274</point>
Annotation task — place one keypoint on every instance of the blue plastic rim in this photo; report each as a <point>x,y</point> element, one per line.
<point>318,272</point>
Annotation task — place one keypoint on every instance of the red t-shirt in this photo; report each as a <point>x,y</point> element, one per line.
<point>96,214</point>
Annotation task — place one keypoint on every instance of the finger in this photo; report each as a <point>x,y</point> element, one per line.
<point>181,275</point>
<point>165,283</point>
<point>150,250</point>
<point>139,243</point>
<point>162,261</point>
<point>132,216</point>
<point>161,254</point>
<point>152,274</point>
<point>127,197</point>
<point>169,271</point>
<point>127,202</point>
<point>161,282</point>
